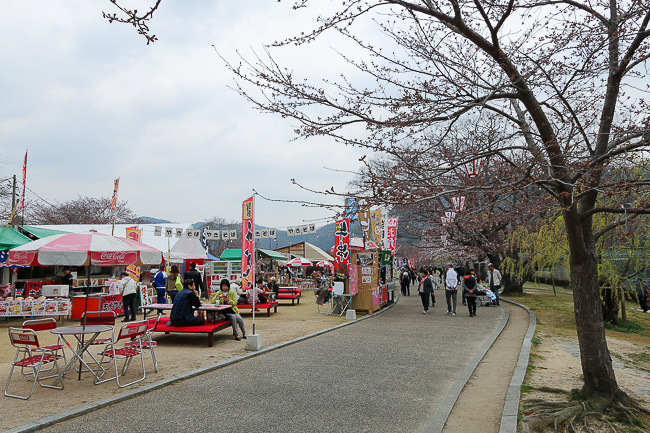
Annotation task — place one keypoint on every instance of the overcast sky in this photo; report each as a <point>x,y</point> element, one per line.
<point>92,102</point>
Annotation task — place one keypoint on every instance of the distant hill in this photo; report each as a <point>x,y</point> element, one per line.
<point>152,220</point>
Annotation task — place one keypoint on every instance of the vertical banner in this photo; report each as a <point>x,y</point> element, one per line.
<point>247,245</point>
<point>350,208</point>
<point>375,226</point>
<point>364,218</point>
<point>135,234</point>
<point>22,194</point>
<point>114,199</point>
<point>341,248</point>
<point>391,227</point>
<point>384,218</point>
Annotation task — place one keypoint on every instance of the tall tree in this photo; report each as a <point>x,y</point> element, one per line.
<point>554,88</point>
<point>82,210</point>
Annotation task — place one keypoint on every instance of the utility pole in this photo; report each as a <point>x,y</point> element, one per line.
<point>13,194</point>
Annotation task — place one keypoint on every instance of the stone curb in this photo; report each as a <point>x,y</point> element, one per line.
<point>90,407</point>
<point>441,415</point>
<point>511,407</point>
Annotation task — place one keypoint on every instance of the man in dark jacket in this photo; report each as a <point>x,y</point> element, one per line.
<point>198,279</point>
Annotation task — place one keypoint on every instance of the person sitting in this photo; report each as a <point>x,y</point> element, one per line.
<point>186,303</point>
<point>257,293</point>
<point>273,287</point>
<point>227,296</point>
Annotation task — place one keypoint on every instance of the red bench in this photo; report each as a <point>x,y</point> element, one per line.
<point>208,328</point>
<point>293,294</point>
<point>265,306</point>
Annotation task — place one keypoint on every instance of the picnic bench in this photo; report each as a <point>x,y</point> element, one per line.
<point>293,293</point>
<point>264,306</point>
<point>208,327</point>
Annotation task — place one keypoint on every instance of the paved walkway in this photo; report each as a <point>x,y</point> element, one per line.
<point>385,374</point>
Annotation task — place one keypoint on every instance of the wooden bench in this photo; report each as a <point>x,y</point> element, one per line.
<point>294,294</point>
<point>208,328</point>
<point>265,306</point>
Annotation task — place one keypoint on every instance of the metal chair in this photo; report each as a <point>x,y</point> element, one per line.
<point>146,341</point>
<point>45,324</point>
<point>99,318</point>
<point>341,300</point>
<point>29,354</point>
<point>129,331</point>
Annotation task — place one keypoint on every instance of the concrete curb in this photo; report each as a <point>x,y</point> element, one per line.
<point>90,407</point>
<point>511,407</point>
<point>441,415</point>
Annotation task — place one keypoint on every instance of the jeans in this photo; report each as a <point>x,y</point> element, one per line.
<point>172,295</point>
<point>496,292</point>
<point>129,304</point>
<point>236,319</point>
<point>425,300</point>
<point>451,295</point>
<point>433,299</point>
<point>471,305</point>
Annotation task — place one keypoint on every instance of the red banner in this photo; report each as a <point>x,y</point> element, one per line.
<point>112,303</point>
<point>342,247</point>
<point>391,236</point>
<point>22,196</point>
<point>114,199</point>
<point>247,244</point>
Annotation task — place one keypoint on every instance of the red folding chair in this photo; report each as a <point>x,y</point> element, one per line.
<point>99,318</point>
<point>30,354</point>
<point>146,341</point>
<point>45,324</point>
<point>130,331</point>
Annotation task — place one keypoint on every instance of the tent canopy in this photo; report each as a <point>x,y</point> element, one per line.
<point>234,254</point>
<point>10,238</point>
<point>42,232</point>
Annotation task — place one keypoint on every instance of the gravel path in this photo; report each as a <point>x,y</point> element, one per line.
<point>385,374</point>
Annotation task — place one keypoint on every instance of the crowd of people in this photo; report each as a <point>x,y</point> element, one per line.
<point>452,280</point>
<point>185,295</point>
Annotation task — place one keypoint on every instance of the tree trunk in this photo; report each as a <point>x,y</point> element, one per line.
<point>598,373</point>
<point>610,304</point>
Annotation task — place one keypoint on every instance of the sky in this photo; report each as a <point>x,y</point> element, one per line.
<point>92,102</point>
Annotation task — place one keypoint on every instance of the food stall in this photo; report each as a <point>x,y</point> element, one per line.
<point>372,292</point>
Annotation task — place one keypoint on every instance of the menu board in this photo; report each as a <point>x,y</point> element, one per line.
<point>49,307</point>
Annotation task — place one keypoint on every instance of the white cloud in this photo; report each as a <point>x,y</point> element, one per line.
<point>93,102</point>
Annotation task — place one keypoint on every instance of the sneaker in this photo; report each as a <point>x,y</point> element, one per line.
<point>453,314</point>
<point>448,312</point>
<point>424,312</point>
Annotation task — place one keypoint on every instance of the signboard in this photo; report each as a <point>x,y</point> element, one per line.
<point>49,307</point>
<point>353,285</point>
<point>375,226</point>
<point>112,303</point>
<point>364,218</point>
<point>391,234</point>
<point>247,244</point>
<point>341,248</point>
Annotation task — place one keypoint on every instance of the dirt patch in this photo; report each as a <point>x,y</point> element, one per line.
<point>486,390</point>
<point>176,354</point>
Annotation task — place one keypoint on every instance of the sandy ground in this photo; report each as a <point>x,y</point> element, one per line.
<point>557,365</point>
<point>480,404</point>
<point>176,353</point>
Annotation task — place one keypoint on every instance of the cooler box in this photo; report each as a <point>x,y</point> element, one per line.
<point>55,290</point>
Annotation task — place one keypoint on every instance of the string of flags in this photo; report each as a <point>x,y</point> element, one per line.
<point>214,235</point>
<point>301,230</point>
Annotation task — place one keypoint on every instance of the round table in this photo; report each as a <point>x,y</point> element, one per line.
<point>80,333</point>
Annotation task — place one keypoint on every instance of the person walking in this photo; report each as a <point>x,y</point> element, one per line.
<point>198,279</point>
<point>469,290</point>
<point>159,283</point>
<point>451,294</point>
<point>425,289</point>
<point>494,280</point>
<point>127,289</point>
<point>405,281</point>
<point>174,283</point>
<point>433,287</point>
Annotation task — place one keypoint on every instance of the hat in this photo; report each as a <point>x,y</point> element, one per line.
<point>449,264</point>
<point>272,278</point>
<point>490,265</point>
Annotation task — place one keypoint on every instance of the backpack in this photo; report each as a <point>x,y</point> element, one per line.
<point>406,278</point>
<point>171,283</point>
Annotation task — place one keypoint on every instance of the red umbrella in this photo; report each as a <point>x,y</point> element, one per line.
<point>299,261</point>
<point>325,264</point>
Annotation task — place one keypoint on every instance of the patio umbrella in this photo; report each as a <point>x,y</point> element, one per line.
<point>325,264</point>
<point>83,249</point>
<point>299,261</point>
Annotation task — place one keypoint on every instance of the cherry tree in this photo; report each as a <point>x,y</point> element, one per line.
<point>553,90</point>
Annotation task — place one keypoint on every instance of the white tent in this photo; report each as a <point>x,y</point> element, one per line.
<point>181,248</point>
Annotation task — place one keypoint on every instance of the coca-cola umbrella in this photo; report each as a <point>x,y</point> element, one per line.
<point>325,264</point>
<point>83,249</point>
<point>299,261</point>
